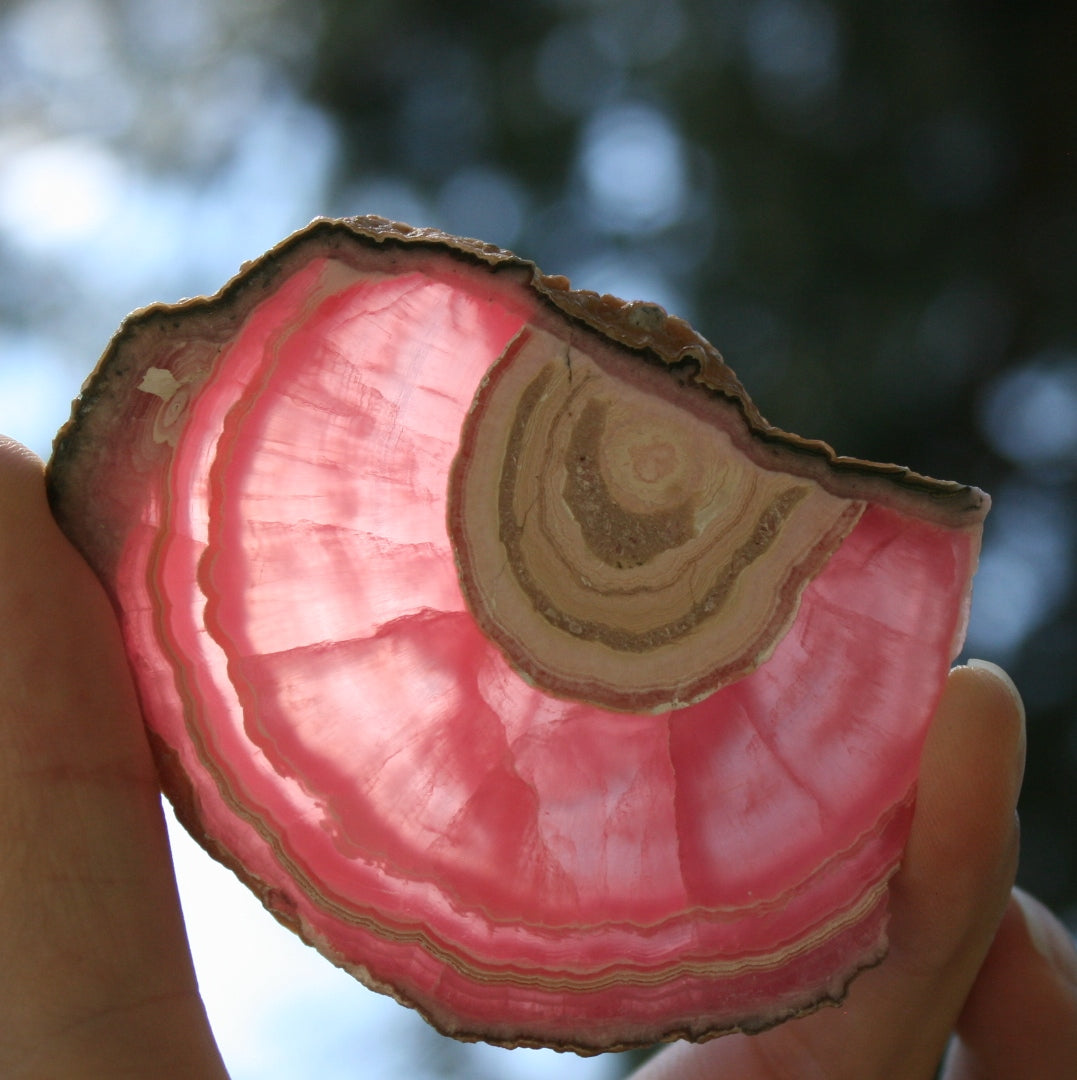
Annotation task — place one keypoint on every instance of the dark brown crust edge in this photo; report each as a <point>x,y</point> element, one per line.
<point>639,326</point>
<point>647,328</point>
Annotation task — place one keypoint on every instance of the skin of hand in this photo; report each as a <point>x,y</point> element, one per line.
<point>970,956</point>
<point>97,979</point>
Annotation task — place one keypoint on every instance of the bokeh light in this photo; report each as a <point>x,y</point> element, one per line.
<point>1029,413</point>
<point>869,208</point>
<point>633,169</point>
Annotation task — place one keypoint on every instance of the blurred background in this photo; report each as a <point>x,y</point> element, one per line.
<point>870,208</point>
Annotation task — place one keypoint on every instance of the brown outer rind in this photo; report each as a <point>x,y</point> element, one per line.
<point>668,339</point>
<point>647,328</point>
<point>643,327</point>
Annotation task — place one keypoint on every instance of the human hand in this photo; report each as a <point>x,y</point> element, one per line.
<point>97,979</point>
<point>969,955</point>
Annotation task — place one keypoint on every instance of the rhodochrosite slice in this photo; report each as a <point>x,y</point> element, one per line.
<point>634,556</point>
<point>494,639</point>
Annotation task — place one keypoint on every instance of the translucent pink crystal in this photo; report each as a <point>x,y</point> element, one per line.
<point>262,482</point>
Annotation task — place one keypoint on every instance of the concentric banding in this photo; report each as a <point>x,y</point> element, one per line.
<point>627,520</point>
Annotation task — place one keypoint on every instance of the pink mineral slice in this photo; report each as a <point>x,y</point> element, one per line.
<point>486,630</point>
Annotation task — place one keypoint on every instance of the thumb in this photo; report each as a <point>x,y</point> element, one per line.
<point>96,973</point>
<point>945,905</point>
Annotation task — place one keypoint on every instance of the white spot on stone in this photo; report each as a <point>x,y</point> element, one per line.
<point>160,382</point>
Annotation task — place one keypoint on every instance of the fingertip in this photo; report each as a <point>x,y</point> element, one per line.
<point>25,520</point>
<point>986,670</point>
<point>961,857</point>
<point>18,462</point>
<point>990,698</point>
<point>31,543</point>
<point>13,449</point>
<point>978,736</point>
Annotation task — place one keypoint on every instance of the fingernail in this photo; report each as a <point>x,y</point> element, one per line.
<point>1004,678</point>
